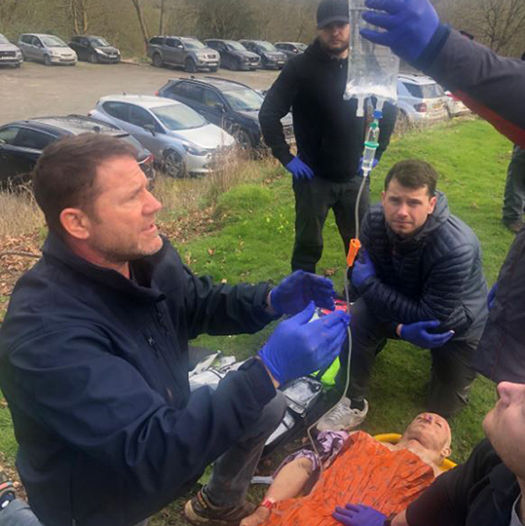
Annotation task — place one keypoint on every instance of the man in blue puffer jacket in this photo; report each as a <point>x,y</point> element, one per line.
<point>419,272</point>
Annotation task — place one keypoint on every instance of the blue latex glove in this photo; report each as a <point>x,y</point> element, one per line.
<point>353,515</point>
<point>297,348</point>
<point>299,170</point>
<point>297,290</point>
<point>417,333</point>
<point>363,269</point>
<point>491,298</point>
<point>374,164</point>
<point>409,24</point>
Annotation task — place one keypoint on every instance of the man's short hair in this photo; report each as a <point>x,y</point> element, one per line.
<point>414,174</point>
<point>65,174</point>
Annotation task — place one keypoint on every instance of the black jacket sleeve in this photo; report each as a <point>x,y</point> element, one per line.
<point>276,105</point>
<point>387,125</point>
<point>490,85</point>
<point>441,294</point>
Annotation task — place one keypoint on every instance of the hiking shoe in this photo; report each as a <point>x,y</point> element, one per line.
<point>514,226</point>
<point>343,417</point>
<point>7,490</point>
<point>200,511</point>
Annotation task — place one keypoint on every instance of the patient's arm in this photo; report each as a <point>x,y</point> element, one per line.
<point>288,483</point>
<point>400,519</point>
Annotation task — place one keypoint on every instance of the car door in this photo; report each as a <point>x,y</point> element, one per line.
<point>190,94</point>
<point>38,49</point>
<point>174,52</point>
<point>30,47</point>
<point>213,107</point>
<point>151,139</point>
<point>82,49</point>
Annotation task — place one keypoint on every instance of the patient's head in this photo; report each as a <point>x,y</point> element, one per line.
<point>432,432</point>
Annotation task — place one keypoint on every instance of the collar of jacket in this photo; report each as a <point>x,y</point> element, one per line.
<point>56,251</point>
<point>316,50</point>
<point>435,220</point>
<point>505,490</point>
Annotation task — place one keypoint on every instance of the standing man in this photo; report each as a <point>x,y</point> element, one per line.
<point>94,356</point>
<point>330,138</point>
<point>419,279</point>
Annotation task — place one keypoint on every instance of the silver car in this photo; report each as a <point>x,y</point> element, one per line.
<point>9,53</point>
<point>48,49</point>
<point>182,141</point>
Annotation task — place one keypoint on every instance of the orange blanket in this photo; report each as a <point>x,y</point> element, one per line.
<point>365,472</point>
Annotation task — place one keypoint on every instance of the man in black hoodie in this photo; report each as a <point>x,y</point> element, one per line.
<point>420,279</point>
<point>329,135</point>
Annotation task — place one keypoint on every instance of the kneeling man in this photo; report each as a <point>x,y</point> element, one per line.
<point>419,278</point>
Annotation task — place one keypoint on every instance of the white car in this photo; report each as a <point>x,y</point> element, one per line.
<point>182,141</point>
<point>455,106</point>
<point>48,49</point>
<point>421,100</point>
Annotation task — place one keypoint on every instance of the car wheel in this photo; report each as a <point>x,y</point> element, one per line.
<point>402,122</point>
<point>93,58</point>
<point>47,60</point>
<point>236,64</point>
<point>243,138</point>
<point>174,164</point>
<point>190,66</point>
<point>157,60</point>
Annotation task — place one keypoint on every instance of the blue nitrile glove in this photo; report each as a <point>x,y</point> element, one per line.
<point>299,170</point>
<point>297,290</point>
<point>491,298</point>
<point>374,164</point>
<point>410,26</point>
<point>417,333</point>
<point>297,348</point>
<point>359,515</point>
<point>363,269</point>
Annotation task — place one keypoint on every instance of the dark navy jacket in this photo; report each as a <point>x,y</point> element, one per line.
<point>94,367</point>
<point>434,274</point>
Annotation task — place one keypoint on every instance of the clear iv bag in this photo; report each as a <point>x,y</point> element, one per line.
<point>372,69</point>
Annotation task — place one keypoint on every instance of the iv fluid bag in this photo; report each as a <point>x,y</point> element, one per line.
<point>372,69</point>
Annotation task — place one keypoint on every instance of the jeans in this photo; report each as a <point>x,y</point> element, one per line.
<point>452,372</point>
<point>18,513</point>
<point>313,201</point>
<point>233,471</point>
<point>514,200</point>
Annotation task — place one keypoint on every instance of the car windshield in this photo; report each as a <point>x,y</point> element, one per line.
<point>4,40</point>
<point>301,47</point>
<point>99,42</point>
<point>53,42</point>
<point>235,46</point>
<point>244,99</point>
<point>425,91</point>
<point>193,44</point>
<point>178,117</point>
<point>266,46</point>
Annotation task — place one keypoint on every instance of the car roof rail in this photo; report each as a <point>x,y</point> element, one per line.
<point>227,80</point>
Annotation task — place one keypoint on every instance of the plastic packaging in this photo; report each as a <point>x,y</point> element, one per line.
<point>372,69</point>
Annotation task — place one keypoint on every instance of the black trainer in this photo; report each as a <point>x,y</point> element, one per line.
<point>7,490</point>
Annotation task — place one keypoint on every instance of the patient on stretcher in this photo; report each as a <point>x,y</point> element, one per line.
<point>357,469</point>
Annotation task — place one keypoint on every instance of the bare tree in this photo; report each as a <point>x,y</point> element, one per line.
<point>79,15</point>
<point>142,21</point>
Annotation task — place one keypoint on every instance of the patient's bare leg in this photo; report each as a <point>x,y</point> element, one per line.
<point>288,483</point>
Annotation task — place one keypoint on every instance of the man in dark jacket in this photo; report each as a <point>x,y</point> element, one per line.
<point>94,355</point>
<point>330,137</point>
<point>420,272</point>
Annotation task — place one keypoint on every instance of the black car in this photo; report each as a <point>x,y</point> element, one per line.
<point>94,49</point>
<point>291,49</point>
<point>234,55</point>
<point>271,57</point>
<point>22,142</point>
<point>231,105</point>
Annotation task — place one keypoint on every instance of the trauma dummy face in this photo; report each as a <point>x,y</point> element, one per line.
<point>430,432</point>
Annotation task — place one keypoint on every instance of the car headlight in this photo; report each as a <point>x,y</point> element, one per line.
<point>100,52</point>
<point>194,150</point>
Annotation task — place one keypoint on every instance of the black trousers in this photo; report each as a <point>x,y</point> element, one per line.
<point>452,373</point>
<point>313,201</point>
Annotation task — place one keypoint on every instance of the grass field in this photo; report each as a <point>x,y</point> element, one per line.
<point>253,240</point>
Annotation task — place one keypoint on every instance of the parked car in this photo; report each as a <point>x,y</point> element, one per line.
<point>271,57</point>
<point>234,55</point>
<point>291,49</point>
<point>48,49</point>
<point>181,140</point>
<point>420,101</point>
<point>189,53</point>
<point>94,49</point>
<point>231,105</point>
<point>9,53</point>
<point>455,106</point>
<point>22,142</point>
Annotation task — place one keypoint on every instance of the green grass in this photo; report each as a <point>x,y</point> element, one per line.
<point>255,240</point>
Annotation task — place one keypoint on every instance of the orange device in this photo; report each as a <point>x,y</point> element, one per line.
<point>355,245</point>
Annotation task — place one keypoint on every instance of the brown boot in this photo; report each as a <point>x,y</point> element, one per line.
<point>199,511</point>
